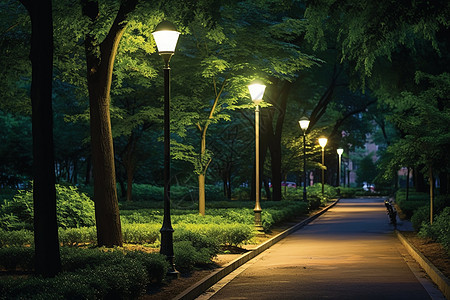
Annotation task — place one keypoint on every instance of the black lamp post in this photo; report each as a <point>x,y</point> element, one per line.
<point>257,92</point>
<point>166,37</point>
<point>304,124</point>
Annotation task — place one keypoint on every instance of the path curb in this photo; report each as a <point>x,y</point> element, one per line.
<point>438,278</point>
<point>204,284</point>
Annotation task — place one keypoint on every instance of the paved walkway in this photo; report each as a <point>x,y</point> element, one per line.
<point>350,252</point>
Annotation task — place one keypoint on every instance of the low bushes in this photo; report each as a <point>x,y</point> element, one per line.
<point>87,274</point>
<point>74,209</point>
<point>439,230</point>
<point>420,215</point>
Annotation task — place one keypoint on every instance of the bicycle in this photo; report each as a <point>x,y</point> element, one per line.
<point>392,212</point>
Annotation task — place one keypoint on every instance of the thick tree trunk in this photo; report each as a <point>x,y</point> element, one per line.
<point>109,232</point>
<point>100,61</point>
<point>47,257</point>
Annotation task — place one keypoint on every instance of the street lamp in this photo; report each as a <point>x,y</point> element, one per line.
<point>322,142</point>
<point>304,124</point>
<point>257,92</point>
<point>339,152</point>
<point>166,37</point>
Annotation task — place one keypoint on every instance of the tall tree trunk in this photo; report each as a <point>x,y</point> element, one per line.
<point>278,96</point>
<point>202,175</point>
<point>47,256</point>
<point>100,61</point>
<point>201,194</point>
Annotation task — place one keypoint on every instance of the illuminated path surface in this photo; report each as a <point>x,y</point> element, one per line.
<point>350,252</point>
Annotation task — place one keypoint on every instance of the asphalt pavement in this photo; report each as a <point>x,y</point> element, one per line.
<point>350,252</point>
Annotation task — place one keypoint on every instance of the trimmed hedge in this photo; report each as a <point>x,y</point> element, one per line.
<point>87,274</point>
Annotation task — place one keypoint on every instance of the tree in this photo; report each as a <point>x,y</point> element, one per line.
<point>47,257</point>
<point>100,56</point>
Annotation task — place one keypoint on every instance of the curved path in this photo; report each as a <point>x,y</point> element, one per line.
<point>350,252</point>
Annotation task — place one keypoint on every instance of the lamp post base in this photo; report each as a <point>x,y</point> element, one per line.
<point>258,222</point>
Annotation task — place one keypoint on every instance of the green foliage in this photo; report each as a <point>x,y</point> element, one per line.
<point>347,192</point>
<point>77,236</point>
<point>439,230</point>
<point>73,208</point>
<point>141,233</point>
<point>420,216</point>
<point>366,171</point>
<point>315,197</point>
<point>187,256</point>
<point>16,237</point>
<point>88,274</point>
<point>17,257</point>
<point>415,201</point>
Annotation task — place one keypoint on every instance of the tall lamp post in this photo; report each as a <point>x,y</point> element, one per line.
<point>339,152</point>
<point>322,142</point>
<point>304,124</point>
<point>257,92</point>
<point>166,37</point>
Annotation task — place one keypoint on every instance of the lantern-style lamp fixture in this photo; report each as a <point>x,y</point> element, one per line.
<point>323,142</point>
<point>304,123</point>
<point>340,151</point>
<point>166,37</point>
<point>256,91</point>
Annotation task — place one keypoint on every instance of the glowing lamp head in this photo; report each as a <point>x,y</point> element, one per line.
<point>340,151</point>
<point>323,141</point>
<point>166,37</point>
<point>304,123</point>
<point>256,92</point>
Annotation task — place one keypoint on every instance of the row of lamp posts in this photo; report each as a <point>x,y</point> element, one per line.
<point>166,37</point>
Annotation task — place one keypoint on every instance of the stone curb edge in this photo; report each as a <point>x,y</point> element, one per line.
<point>438,278</point>
<point>201,286</point>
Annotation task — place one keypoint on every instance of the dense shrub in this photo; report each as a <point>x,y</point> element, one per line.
<point>199,235</point>
<point>16,237</point>
<point>76,236</point>
<point>74,209</point>
<point>315,197</point>
<point>87,274</point>
<point>17,257</point>
<point>417,200</point>
<point>420,215</point>
<point>140,233</point>
<point>347,192</point>
<point>439,230</point>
